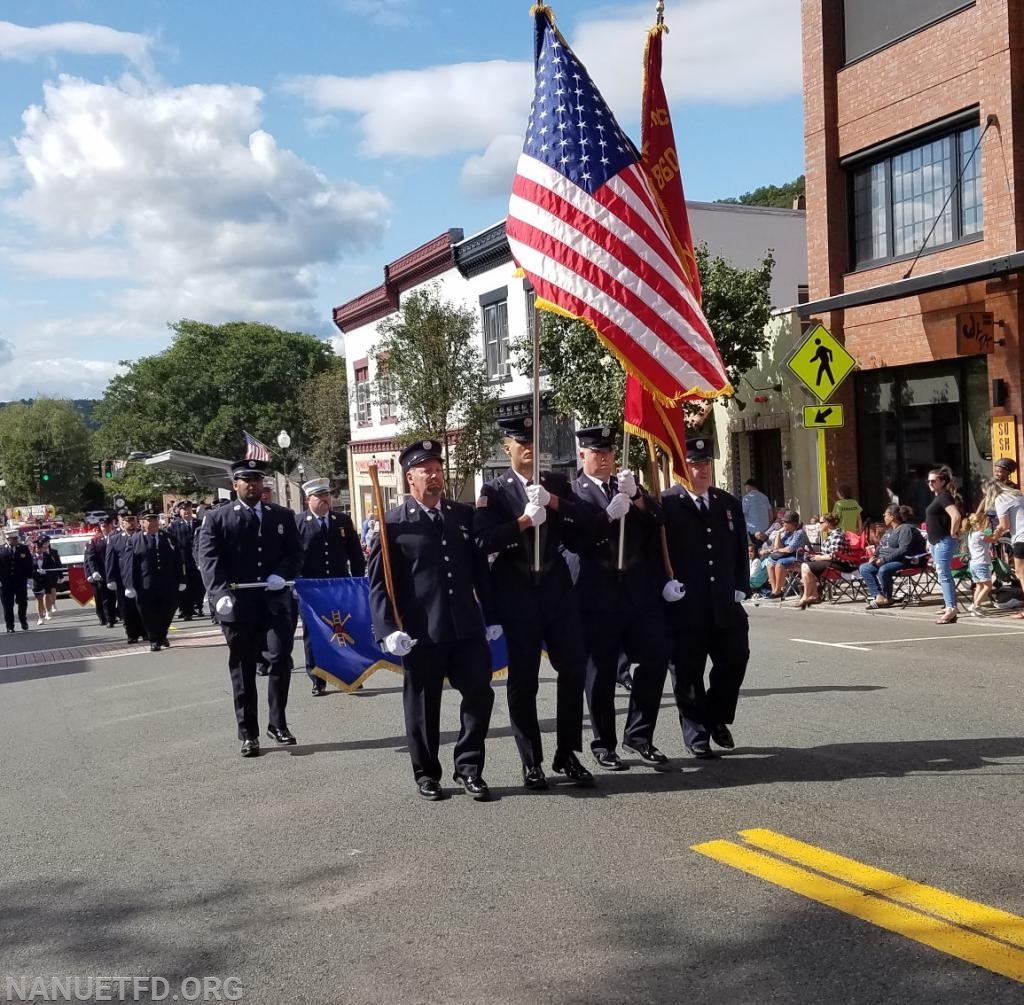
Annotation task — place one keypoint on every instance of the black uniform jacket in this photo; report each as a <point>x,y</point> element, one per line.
<point>440,578</point>
<point>709,557</point>
<point>600,586</point>
<point>334,552</point>
<point>229,550</point>
<point>495,525</point>
<point>159,569</point>
<point>116,559</point>
<point>183,532</point>
<point>95,557</point>
<point>16,563</point>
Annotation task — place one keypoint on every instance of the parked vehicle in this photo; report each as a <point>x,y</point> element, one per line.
<point>72,552</point>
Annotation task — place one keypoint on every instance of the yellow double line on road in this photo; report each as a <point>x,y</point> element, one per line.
<point>982,935</point>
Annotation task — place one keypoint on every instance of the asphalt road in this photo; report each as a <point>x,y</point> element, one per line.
<point>136,842</point>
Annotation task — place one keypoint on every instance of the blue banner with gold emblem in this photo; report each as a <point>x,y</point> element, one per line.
<point>336,613</point>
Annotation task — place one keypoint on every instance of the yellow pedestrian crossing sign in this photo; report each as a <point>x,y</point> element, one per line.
<point>823,416</point>
<point>820,362</point>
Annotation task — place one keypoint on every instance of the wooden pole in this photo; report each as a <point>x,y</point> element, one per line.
<point>622,522</point>
<point>655,476</point>
<point>385,546</point>
<point>536,431</point>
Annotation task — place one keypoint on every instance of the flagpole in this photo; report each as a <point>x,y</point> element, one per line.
<point>660,8</point>
<point>385,546</point>
<point>622,523</point>
<point>536,430</point>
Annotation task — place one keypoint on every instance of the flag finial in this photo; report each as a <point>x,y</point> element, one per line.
<point>661,11</point>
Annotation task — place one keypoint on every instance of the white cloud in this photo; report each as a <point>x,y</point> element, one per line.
<point>181,194</point>
<point>6,351</point>
<point>77,37</point>
<point>490,173</point>
<point>55,377</point>
<point>386,13</point>
<point>741,52</point>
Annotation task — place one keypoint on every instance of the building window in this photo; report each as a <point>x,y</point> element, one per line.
<point>387,395</point>
<point>363,415</point>
<point>899,199</point>
<point>495,324</point>
<point>870,25</point>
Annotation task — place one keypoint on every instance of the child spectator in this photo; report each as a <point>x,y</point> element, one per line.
<point>979,547</point>
<point>758,572</point>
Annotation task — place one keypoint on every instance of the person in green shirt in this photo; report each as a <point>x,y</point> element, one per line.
<point>848,510</point>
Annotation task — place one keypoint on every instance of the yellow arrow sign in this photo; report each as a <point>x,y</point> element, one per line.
<point>820,362</point>
<point>823,416</point>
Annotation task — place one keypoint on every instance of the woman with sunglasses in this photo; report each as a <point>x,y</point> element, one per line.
<point>942,520</point>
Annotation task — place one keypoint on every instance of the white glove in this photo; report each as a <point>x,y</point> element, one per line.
<point>275,582</point>
<point>618,507</point>
<point>129,593</point>
<point>399,644</point>
<point>673,590</point>
<point>225,605</point>
<point>111,586</point>
<point>627,484</point>
<point>494,632</point>
<point>96,577</point>
<point>181,586</point>
<point>538,495</point>
<point>739,596</point>
<point>536,512</point>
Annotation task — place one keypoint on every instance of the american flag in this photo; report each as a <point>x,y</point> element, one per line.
<point>254,450</point>
<point>585,227</point>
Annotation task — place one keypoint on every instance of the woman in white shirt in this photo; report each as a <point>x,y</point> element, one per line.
<point>1008,505</point>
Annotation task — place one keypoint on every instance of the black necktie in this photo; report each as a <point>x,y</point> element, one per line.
<point>608,490</point>
<point>323,525</point>
<point>701,505</point>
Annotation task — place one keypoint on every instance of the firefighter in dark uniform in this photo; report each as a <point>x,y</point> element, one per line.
<point>331,546</point>
<point>16,569</point>
<point>707,543</point>
<point>116,561</point>
<point>155,577</point>
<point>183,529</point>
<point>249,541</point>
<point>438,578</point>
<point>94,561</point>
<point>536,609</point>
<point>621,610</point>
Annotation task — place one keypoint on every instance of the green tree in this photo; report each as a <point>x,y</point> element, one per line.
<point>773,196</point>
<point>323,403</point>
<point>212,382</point>
<point>587,383</point>
<point>433,367</point>
<point>44,453</point>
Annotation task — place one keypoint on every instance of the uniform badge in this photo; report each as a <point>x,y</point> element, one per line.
<point>527,423</point>
<point>280,528</point>
<point>308,518</point>
<point>237,508</point>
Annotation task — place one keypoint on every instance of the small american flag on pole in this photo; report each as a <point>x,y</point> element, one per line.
<point>587,230</point>
<point>254,450</point>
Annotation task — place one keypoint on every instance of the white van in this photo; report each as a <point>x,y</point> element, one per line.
<point>72,552</point>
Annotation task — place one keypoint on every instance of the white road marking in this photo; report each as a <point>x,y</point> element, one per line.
<point>161,711</point>
<point>861,644</point>
<point>833,645</point>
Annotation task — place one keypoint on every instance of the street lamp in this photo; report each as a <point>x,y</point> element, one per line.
<point>284,441</point>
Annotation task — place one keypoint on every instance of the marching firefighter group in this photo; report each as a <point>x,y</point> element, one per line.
<point>447,578</point>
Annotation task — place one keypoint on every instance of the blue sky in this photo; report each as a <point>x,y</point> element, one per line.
<point>218,160</point>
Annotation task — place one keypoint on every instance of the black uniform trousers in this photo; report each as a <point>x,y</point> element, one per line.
<point>702,708</point>
<point>133,626</point>
<point>467,665</point>
<point>106,603</point>
<point>156,610</point>
<point>640,634</point>
<point>14,592</point>
<point>562,636</point>
<point>190,600</point>
<point>246,641</point>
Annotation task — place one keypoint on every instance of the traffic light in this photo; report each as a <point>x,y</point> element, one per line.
<point>46,475</point>
<point>37,469</point>
<point>108,469</point>
<point>98,468</point>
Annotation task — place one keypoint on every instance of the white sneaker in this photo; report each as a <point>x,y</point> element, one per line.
<point>39,623</point>
<point>49,616</point>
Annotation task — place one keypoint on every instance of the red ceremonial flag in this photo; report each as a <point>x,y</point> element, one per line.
<point>586,228</point>
<point>663,424</point>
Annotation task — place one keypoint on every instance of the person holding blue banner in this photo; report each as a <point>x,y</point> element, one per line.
<point>331,548</point>
<point>427,587</point>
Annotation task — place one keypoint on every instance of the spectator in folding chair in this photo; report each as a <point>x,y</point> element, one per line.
<point>789,540</point>
<point>898,544</point>
<point>835,554</point>
<point>943,517</point>
<point>1007,503</point>
<point>758,572</point>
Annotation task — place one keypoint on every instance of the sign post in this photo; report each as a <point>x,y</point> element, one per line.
<point>821,363</point>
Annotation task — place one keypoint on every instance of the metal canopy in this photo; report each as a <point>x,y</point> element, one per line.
<point>213,471</point>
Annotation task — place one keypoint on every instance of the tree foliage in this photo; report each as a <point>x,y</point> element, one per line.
<point>587,383</point>
<point>52,433</point>
<point>323,402</point>
<point>772,196</point>
<point>429,356</point>
<point>212,382</point>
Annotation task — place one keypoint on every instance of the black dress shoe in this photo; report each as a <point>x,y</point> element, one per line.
<point>430,788</point>
<point>10,631</point>
<point>281,735</point>
<point>474,785</point>
<point>722,735</point>
<point>132,639</point>
<point>24,626</point>
<point>154,647</point>
<point>186,617</point>
<point>611,761</point>
<point>262,670</point>
<point>569,765</point>
<point>701,749</point>
<point>319,688</point>
<point>165,643</point>
<point>533,778</point>
<point>625,683</point>
<point>647,752</point>
<point>250,748</point>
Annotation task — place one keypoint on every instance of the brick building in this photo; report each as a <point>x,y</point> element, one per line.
<point>912,117</point>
